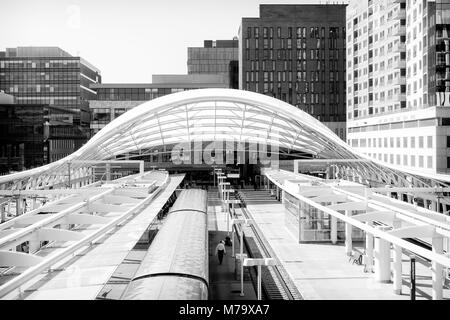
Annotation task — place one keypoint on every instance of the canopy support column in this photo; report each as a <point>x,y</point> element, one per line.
<point>382,259</point>
<point>437,269</point>
<point>348,234</point>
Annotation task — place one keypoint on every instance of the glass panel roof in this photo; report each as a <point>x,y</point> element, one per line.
<point>219,114</point>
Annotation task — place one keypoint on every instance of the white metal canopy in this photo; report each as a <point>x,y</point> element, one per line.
<point>212,115</point>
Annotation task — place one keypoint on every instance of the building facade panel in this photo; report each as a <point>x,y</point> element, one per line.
<point>397,52</point>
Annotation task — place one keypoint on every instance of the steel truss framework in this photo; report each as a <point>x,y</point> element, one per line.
<point>215,115</point>
<point>362,207</point>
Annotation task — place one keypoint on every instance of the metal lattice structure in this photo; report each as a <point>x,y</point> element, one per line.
<point>216,114</point>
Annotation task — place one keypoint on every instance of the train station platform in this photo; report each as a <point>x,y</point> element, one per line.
<point>223,283</point>
<point>323,271</point>
<point>84,275</point>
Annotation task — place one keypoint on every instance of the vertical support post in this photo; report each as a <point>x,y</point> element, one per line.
<point>259,282</point>
<point>242,261</point>
<point>437,270</point>
<point>382,259</point>
<point>397,263</point>
<point>397,266</point>
<point>18,206</point>
<point>232,241</point>
<point>333,232</point>
<point>348,234</point>
<point>69,175</point>
<point>141,167</point>
<point>227,212</point>
<point>108,172</point>
<point>295,166</point>
<point>301,220</point>
<point>433,205</point>
<point>412,276</point>
<point>2,213</point>
<point>369,249</point>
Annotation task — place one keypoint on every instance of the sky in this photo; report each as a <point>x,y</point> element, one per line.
<point>128,40</point>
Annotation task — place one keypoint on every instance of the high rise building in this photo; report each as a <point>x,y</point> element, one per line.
<point>51,76</point>
<point>296,53</point>
<point>398,78</point>
<point>218,57</point>
<point>112,100</point>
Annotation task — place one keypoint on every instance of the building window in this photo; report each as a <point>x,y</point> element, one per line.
<point>430,142</point>
<point>429,162</point>
<point>256,31</point>
<point>420,161</point>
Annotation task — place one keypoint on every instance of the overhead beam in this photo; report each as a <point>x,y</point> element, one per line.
<point>81,218</point>
<point>331,198</point>
<point>348,206</point>
<point>18,259</point>
<point>53,234</point>
<point>425,231</point>
<point>376,216</point>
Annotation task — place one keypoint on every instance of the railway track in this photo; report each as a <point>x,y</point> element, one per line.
<point>276,282</point>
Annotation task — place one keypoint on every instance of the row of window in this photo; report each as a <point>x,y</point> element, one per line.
<point>405,160</point>
<point>134,94</point>
<point>392,142</point>
<point>314,32</point>
<point>282,54</point>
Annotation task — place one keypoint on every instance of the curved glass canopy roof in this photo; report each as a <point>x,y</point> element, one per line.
<point>222,114</point>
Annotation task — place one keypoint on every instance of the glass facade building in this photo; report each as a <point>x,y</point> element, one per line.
<point>296,53</point>
<point>216,57</point>
<point>29,137</point>
<point>51,76</point>
<point>21,137</point>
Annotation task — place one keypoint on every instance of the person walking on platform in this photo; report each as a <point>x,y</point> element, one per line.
<point>220,251</point>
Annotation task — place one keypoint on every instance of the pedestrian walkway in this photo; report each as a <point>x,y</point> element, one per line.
<point>223,282</point>
<point>323,271</point>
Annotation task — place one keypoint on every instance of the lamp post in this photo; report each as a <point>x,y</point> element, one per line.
<point>241,256</point>
<point>223,191</point>
<point>259,263</point>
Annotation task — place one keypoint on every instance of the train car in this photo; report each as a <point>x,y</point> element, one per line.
<point>176,265</point>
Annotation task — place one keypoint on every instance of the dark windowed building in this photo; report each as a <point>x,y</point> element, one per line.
<point>50,76</point>
<point>218,57</point>
<point>112,100</point>
<point>296,53</point>
<point>29,137</point>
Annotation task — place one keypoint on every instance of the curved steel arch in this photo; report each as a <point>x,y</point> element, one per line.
<point>221,114</point>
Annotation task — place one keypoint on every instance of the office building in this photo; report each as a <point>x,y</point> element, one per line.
<point>51,76</point>
<point>296,53</point>
<point>31,137</point>
<point>112,100</point>
<point>218,57</point>
<point>398,62</point>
